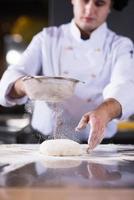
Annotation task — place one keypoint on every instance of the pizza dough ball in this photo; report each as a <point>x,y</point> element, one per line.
<point>60,147</point>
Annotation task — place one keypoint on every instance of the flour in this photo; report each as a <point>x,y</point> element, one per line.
<point>64,126</point>
<point>54,90</point>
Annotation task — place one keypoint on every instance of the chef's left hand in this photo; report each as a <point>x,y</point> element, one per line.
<point>98,120</point>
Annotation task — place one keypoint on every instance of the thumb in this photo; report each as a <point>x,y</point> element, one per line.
<point>83,122</point>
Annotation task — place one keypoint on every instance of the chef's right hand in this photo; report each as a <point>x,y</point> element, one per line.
<point>18,89</point>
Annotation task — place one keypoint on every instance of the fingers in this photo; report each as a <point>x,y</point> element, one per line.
<point>18,89</point>
<point>94,141</point>
<point>96,133</point>
<point>83,123</point>
<point>97,127</point>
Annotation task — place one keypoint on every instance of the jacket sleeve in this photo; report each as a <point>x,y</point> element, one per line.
<point>121,86</point>
<point>29,64</point>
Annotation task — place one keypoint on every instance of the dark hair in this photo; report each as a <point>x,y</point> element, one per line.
<point>119,4</point>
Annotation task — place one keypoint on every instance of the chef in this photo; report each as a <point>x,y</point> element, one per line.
<point>85,49</point>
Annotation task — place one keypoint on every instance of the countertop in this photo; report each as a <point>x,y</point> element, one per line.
<point>107,172</point>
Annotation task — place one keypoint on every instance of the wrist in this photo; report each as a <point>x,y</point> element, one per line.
<point>111,108</point>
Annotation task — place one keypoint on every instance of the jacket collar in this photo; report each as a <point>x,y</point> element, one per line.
<point>96,39</point>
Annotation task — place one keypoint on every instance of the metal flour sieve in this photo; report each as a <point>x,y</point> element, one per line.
<point>49,89</point>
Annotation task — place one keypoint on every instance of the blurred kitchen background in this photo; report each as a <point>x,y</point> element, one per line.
<point>19,21</point>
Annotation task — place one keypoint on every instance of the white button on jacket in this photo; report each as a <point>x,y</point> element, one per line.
<point>104,62</point>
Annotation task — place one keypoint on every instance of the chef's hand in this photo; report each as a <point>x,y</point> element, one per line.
<point>18,89</point>
<point>98,120</point>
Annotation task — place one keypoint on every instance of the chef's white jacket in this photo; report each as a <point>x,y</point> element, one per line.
<point>104,62</point>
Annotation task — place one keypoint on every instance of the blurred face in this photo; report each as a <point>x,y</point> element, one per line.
<point>90,14</point>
